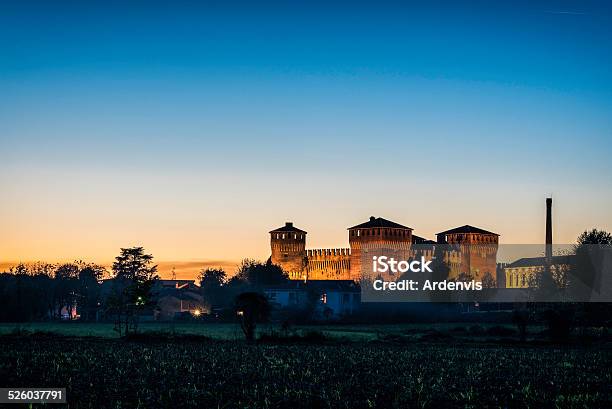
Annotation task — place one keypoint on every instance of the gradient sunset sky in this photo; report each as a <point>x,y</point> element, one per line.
<point>194,129</point>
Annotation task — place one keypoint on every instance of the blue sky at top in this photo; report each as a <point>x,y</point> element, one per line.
<point>200,99</point>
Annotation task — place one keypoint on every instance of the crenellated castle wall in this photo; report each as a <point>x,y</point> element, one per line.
<point>328,264</point>
<point>473,253</point>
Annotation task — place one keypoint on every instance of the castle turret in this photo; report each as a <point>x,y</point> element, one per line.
<point>377,237</point>
<point>288,244</point>
<point>470,251</point>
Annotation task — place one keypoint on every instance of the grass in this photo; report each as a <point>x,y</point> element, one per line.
<point>113,373</point>
<point>233,332</point>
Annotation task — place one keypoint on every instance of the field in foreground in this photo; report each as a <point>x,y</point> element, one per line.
<point>113,373</point>
<point>357,332</point>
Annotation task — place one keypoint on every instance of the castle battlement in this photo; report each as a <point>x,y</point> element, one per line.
<point>328,264</point>
<point>470,249</point>
<point>325,253</point>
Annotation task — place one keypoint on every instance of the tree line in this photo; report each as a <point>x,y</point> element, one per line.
<point>43,291</point>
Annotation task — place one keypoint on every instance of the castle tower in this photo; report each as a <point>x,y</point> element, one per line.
<point>377,237</point>
<point>471,250</point>
<point>288,244</point>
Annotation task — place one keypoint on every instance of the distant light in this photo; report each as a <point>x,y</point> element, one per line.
<point>197,312</point>
<point>240,313</point>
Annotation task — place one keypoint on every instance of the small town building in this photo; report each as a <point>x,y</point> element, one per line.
<point>329,299</point>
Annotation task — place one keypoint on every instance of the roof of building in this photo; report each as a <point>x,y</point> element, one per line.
<point>178,293</point>
<point>421,240</point>
<point>288,227</point>
<point>331,285</point>
<point>467,229</point>
<point>379,222</point>
<point>324,285</point>
<point>174,281</point>
<point>538,261</point>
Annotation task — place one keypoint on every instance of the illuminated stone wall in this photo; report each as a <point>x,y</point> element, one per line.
<point>366,243</point>
<point>289,252</point>
<point>474,254</point>
<point>328,264</point>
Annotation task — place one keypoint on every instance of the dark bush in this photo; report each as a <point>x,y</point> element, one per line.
<point>434,336</point>
<point>500,331</point>
<point>310,337</point>
<point>156,336</point>
<point>559,324</point>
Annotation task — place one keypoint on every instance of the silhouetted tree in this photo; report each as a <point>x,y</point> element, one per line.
<point>588,262</point>
<point>543,284</point>
<point>520,318</point>
<point>66,282</point>
<point>597,237</point>
<point>134,275</point>
<point>488,281</point>
<point>25,292</point>
<point>212,281</point>
<point>464,277</point>
<point>559,322</point>
<point>39,291</point>
<point>90,276</point>
<point>257,274</point>
<point>251,308</point>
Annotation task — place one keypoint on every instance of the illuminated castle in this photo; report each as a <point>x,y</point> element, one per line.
<point>465,249</point>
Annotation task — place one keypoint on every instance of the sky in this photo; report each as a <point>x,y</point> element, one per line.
<point>194,128</point>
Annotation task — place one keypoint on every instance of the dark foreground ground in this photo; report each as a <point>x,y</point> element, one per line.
<point>191,372</point>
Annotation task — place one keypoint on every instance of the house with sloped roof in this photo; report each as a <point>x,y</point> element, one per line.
<point>522,272</point>
<point>329,299</point>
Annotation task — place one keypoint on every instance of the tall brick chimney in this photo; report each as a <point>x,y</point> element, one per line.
<point>548,228</point>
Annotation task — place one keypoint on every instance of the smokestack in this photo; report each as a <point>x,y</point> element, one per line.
<point>549,228</point>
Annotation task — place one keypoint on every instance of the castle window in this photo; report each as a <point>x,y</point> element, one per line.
<point>283,235</point>
<point>357,233</point>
